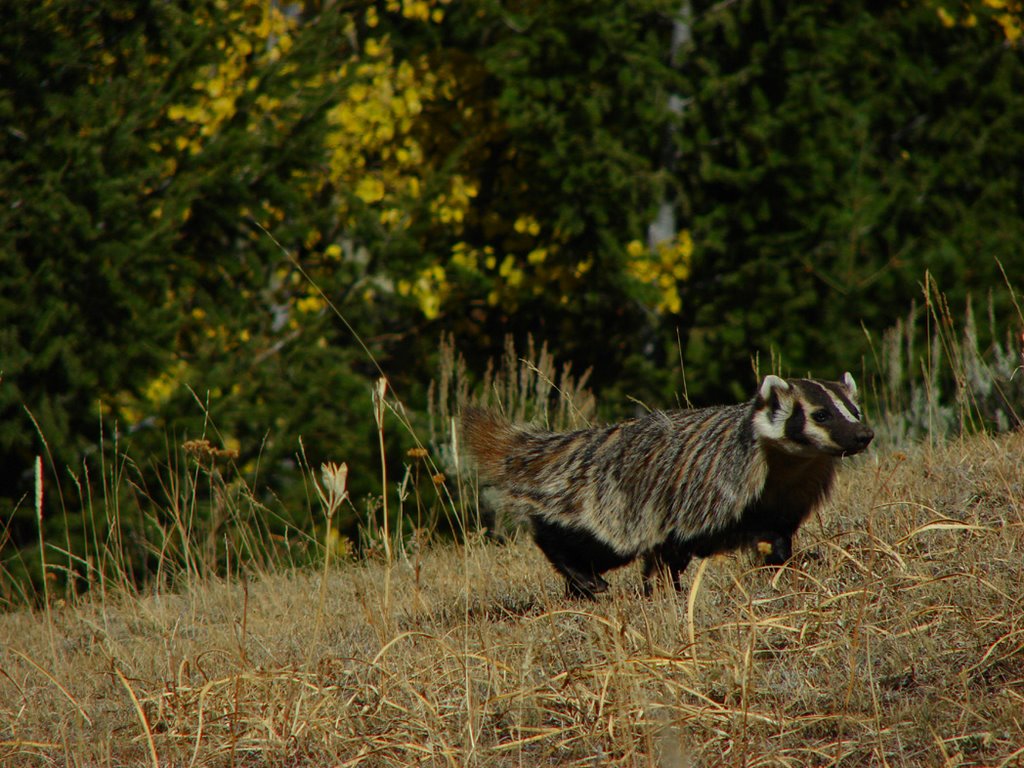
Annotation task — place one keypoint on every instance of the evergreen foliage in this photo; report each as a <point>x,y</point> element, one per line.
<point>830,154</point>
<point>189,190</point>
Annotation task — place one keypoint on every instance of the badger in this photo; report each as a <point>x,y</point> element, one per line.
<point>672,484</point>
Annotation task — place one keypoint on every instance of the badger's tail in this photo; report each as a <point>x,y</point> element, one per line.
<point>490,438</point>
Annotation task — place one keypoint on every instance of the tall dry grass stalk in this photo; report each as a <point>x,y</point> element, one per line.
<point>379,395</point>
<point>525,385</point>
<point>332,492</point>
<point>44,572</point>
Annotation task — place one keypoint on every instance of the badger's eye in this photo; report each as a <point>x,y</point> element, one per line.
<point>821,416</point>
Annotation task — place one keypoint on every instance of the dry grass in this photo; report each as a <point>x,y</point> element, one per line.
<point>896,639</point>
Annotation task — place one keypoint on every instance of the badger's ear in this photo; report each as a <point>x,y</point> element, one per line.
<point>770,383</point>
<point>850,383</point>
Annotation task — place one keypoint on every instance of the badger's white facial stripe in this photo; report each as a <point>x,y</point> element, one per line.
<point>844,402</point>
<point>845,412</point>
<point>831,396</point>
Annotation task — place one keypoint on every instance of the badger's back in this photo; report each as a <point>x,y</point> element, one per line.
<point>718,472</point>
<point>629,484</point>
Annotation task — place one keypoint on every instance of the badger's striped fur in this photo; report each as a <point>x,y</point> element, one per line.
<point>673,484</point>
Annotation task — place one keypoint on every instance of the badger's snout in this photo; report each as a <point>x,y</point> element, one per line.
<point>859,440</point>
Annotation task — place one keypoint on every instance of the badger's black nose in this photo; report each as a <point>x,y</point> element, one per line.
<point>857,439</point>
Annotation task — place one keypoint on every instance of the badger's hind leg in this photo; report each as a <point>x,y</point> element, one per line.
<point>668,558</point>
<point>580,586</point>
<point>578,555</point>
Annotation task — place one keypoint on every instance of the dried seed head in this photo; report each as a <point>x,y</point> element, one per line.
<point>203,449</point>
<point>335,477</point>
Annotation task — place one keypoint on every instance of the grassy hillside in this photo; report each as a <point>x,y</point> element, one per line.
<point>897,638</point>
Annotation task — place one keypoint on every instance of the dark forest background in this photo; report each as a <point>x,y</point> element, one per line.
<point>188,190</point>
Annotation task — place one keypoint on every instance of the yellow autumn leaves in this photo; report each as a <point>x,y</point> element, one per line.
<point>371,146</point>
<point>378,168</point>
<point>1008,14</point>
<point>256,29</point>
<point>663,268</point>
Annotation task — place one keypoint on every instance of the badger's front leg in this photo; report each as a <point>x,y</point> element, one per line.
<point>775,547</point>
<point>770,530</point>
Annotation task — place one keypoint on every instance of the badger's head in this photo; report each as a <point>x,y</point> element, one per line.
<point>808,417</point>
